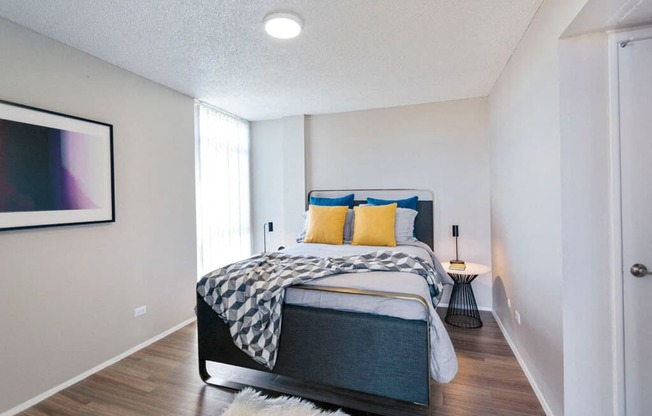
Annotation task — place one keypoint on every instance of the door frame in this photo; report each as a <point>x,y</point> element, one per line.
<point>618,269</point>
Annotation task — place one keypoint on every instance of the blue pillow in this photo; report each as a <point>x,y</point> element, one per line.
<point>410,203</point>
<point>344,201</point>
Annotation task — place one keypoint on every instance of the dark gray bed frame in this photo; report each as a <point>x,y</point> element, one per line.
<point>372,354</point>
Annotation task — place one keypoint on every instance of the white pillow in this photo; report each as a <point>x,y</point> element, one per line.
<point>404,225</point>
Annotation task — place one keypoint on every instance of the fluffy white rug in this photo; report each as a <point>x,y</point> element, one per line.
<point>251,403</point>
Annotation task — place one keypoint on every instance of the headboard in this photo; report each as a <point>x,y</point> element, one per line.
<point>423,224</point>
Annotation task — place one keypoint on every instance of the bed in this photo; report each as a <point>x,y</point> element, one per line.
<point>369,333</point>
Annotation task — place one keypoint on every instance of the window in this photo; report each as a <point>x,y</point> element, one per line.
<point>222,180</point>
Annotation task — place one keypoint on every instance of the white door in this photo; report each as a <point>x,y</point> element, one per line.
<point>635,85</point>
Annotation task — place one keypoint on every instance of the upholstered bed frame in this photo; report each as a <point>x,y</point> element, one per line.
<point>323,348</point>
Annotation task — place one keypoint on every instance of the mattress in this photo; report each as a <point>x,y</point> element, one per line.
<point>395,282</point>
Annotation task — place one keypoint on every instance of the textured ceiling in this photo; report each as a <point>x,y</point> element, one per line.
<point>352,54</point>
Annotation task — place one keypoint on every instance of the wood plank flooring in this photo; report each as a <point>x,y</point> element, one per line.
<point>162,379</point>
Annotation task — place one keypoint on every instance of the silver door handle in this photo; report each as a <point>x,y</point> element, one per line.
<point>639,270</point>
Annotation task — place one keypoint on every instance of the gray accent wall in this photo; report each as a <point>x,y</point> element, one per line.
<point>68,294</point>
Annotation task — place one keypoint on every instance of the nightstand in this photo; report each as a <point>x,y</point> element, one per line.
<point>462,308</point>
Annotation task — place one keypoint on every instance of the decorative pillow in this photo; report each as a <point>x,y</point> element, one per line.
<point>404,227</point>
<point>410,203</point>
<point>346,200</point>
<point>374,225</point>
<point>325,224</point>
<point>348,227</point>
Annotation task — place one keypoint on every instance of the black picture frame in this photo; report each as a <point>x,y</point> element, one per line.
<point>55,169</point>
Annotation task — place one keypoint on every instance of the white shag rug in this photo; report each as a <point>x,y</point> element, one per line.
<point>251,403</point>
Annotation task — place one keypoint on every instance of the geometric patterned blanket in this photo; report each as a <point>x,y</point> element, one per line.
<point>248,295</point>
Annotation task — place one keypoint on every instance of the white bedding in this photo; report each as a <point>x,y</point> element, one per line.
<point>443,362</point>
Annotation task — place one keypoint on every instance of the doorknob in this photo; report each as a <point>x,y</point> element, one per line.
<point>639,270</point>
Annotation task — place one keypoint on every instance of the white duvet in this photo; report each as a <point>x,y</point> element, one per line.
<point>443,362</point>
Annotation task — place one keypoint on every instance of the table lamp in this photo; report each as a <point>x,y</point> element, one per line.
<point>456,233</point>
<point>268,226</point>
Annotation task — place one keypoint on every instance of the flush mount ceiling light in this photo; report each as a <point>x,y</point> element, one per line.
<point>283,25</point>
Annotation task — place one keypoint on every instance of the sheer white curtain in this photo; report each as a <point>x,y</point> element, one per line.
<point>223,215</point>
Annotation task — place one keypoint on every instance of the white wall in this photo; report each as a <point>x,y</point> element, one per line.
<point>586,223</point>
<point>526,215</point>
<point>442,147</point>
<point>267,182</point>
<point>294,177</point>
<point>67,294</point>
<point>277,180</point>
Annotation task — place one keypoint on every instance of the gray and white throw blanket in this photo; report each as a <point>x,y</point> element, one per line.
<point>248,295</point>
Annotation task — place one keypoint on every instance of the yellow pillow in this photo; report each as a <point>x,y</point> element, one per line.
<point>374,225</point>
<point>325,224</point>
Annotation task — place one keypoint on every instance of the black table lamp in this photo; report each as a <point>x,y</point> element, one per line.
<point>268,226</point>
<point>456,233</point>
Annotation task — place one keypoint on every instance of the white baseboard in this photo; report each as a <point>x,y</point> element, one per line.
<point>535,387</point>
<point>31,402</point>
<point>480,308</point>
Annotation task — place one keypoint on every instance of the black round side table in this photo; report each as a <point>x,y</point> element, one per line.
<point>462,307</point>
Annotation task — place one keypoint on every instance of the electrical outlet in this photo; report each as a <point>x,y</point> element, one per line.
<point>140,311</point>
<point>509,303</point>
<point>518,317</point>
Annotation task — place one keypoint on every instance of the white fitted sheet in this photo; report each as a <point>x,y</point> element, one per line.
<point>379,281</point>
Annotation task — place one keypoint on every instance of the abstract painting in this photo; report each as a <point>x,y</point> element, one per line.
<point>55,169</point>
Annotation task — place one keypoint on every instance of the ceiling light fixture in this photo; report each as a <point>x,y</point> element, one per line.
<point>283,25</point>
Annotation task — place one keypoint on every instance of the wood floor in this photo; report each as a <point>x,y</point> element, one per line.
<point>162,379</point>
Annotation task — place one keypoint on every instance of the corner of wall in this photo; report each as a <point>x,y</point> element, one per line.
<point>278,181</point>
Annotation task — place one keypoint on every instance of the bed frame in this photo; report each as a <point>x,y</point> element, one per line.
<point>384,359</point>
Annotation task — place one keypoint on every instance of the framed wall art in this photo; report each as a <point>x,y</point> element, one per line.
<point>55,169</point>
